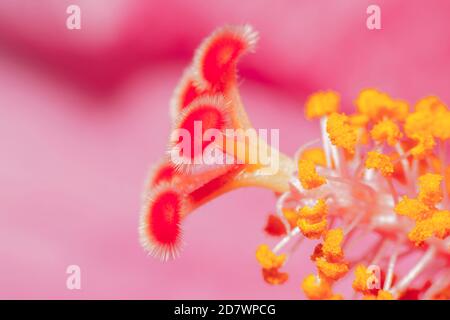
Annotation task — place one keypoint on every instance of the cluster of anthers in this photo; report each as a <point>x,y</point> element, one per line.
<point>377,177</point>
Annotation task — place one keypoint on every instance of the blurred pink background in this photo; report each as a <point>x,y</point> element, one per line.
<point>84,113</point>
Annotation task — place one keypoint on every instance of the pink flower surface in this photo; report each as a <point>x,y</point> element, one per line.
<point>84,113</point>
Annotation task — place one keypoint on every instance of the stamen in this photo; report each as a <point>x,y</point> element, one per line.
<point>279,207</point>
<point>336,158</point>
<point>323,193</point>
<point>391,267</point>
<point>286,240</point>
<point>325,140</point>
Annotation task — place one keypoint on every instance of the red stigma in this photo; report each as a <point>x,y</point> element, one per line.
<point>217,57</point>
<point>204,113</point>
<point>160,222</point>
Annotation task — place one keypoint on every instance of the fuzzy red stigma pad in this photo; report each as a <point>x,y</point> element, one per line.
<point>217,57</point>
<point>160,222</point>
<point>220,60</point>
<point>164,218</point>
<point>210,118</point>
<point>203,114</point>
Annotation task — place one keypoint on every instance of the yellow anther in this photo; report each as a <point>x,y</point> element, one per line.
<point>380,162</point>
<point>316,155</point>
<point>437,225</point>
<point>308,175</point>
<point>322,103</point>
<point>430,104</point>
<point>267,259</point>
<point>358,120</point>
<point>441,127</point>
<point>399,110</point>
<point>331,270</point>
<point>316,288</point>
<point>441,223</point>
<point>341,133</point>
<point>430,191</point>
<point>312,230</point>
<point>418,123</point>
<point>386,131</point>
<point>377,105</point>
<point>332,245</point>
<point>315,213</point>
<point>361,278</point>
<point>371,101</point>
<point>413,208</point>
<point>425,144</point>
<point>430,118</point>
